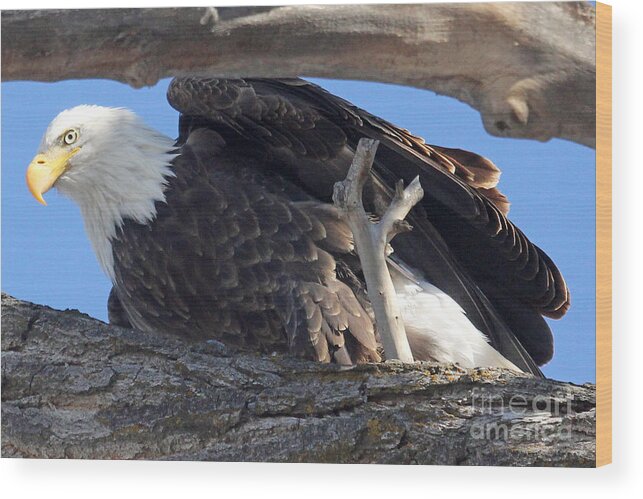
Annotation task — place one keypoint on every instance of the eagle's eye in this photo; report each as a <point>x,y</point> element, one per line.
<point>70,136</point>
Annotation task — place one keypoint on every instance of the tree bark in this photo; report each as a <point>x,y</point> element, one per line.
<point>74,387</point>
<point>529,68</point>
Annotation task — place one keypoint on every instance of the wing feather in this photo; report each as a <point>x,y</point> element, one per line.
<point>308,136</point>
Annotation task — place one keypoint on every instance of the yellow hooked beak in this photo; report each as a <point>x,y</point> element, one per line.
<point>45,169</point>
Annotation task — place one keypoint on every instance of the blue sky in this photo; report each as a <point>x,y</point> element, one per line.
<point>46,257</point>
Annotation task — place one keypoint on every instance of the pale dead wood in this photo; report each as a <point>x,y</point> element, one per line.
<point>371,241</point>
<point>529,68</point>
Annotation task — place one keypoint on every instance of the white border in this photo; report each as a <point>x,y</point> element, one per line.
<point>99,479</point>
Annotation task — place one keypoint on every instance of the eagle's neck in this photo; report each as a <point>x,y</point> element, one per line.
<point>124,184</point>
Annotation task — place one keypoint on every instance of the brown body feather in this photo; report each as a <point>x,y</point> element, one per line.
<point>253,254</point>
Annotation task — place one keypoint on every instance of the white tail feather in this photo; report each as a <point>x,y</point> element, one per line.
<point>437,327</point>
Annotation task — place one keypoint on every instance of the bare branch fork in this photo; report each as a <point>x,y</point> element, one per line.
<point>371,244</point>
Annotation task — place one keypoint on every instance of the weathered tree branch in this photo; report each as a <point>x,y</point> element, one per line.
<point>529,68</point>
<point>74,387</point>
<point>371,241</point>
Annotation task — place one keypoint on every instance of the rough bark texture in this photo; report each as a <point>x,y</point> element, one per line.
<point>529,68</point>
<point>75,387</point>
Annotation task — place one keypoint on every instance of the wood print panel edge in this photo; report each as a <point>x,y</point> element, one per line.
<point>603,234</point>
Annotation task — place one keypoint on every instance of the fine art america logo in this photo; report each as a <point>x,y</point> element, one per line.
<point>519,417</point>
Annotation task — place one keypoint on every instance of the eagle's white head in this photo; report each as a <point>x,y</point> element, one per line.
<point>110,163</point>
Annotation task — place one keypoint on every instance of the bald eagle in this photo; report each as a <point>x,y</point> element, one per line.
<point>229,232</point>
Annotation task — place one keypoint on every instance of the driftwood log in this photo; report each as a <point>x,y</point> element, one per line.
<point>529,68</point>
<point>74,387</point>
